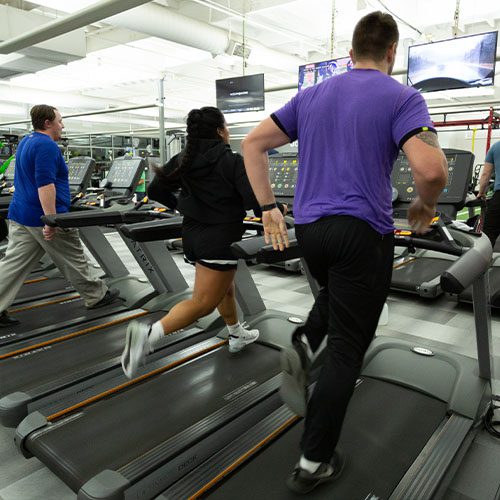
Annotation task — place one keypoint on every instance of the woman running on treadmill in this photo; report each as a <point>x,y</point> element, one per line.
<point>214,196</point>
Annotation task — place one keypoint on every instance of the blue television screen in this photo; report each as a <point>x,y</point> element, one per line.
<point>463,62</point>
<point>314,73</point>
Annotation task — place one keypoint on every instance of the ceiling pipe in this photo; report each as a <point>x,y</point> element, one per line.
<point>94,13</point>
<point>166,23</point>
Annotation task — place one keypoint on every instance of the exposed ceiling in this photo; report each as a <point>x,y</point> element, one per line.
<point>119,61</point>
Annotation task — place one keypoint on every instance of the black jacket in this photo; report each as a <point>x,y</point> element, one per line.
<point>214,188</point>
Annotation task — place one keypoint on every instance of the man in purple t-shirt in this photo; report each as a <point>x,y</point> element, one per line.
<point>350,129</point>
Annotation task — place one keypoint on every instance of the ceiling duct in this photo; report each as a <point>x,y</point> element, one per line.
<point>60,50</point>
<point>162,22</point>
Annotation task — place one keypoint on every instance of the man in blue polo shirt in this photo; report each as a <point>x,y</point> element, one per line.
<point>349,129</point>
<point>42,187</point>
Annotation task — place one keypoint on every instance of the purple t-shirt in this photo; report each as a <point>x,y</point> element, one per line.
<point>350,128</point>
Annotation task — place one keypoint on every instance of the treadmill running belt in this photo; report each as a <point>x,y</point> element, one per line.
<point>63,359</point>
<point>45,288</point>
<point>410,276</point>
<point>110,434</point>
<point>53,317</point>
<point>385,428</point>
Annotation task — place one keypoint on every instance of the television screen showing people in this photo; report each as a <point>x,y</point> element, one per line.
<point>463,62</point>
<point>239,94</point>
<point>314,73</point>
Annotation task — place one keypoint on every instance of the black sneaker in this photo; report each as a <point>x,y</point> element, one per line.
<point>295,365</point>
<point>6,320</point>
<point>301,481</point>
<point>110,296</point>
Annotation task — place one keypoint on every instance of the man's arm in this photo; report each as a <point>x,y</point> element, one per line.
<point>484,180</point>
<point>267,135</point>
<point>430,173</point>
<point>47,195</point>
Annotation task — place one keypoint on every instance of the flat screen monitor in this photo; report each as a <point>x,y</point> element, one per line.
<point>314,73</point>
<point>241,93</point>
<point>464,62</point>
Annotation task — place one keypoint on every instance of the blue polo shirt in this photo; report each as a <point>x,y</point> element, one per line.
<point>493,157</point>
<point>350,128</point>
<point>39,162</point>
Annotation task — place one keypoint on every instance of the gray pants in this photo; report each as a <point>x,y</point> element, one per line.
<point>26,247</point>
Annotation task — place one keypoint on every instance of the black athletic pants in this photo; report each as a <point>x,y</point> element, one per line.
<point>491,226</point>
<point>353,265</point>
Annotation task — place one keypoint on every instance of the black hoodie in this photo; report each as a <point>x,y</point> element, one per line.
<point>214,187</point>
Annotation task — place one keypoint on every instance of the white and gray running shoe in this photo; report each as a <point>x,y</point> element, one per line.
<point>136,348</point>
<point>243,337</point>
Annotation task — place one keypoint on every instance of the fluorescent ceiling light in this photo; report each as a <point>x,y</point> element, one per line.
<point>68,6</point>
<point>12,109</point>
<point>7,58</point>
<point>458,93</point>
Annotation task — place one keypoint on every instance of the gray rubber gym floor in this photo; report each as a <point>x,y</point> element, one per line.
<point>439,322</point>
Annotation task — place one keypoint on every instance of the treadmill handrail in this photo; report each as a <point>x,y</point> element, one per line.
<point>83,218</point>
<point>446,244</point>
<point>464,271</point>
<point>249,248</point>
<point>153,230</point>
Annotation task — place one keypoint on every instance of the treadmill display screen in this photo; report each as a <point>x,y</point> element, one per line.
<point>124,173</point>
<point>283,170</point>
<point>79,170</point>
<point>459,175</point>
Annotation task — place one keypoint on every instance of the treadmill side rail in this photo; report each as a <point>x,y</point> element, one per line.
<point>13,408</point>
<point>424,477</point>
<point>108,484</point>
<point>30,424</point>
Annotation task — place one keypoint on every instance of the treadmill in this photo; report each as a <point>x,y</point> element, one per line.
<point>126,438</point>
<point>419,271</point>
<point>37,317</point>
<point>50,283</point>
<point>412,417</point>
<point>39,371</point>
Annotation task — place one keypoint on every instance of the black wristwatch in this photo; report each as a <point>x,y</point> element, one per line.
<point>269,206</point>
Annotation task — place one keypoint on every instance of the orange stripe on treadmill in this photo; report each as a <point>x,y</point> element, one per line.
<point>43,304</point>
<point>404,263</point>
<point>72,335</point>
<point>120,387</point>
<point>37,280</point>
<point>244,457</point>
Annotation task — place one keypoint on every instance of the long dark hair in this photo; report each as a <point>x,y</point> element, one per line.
<point>201,123</point>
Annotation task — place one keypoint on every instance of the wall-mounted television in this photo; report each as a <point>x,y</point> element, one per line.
<point>314,73</point>
<point>240,93</point>
<point>467,61</point>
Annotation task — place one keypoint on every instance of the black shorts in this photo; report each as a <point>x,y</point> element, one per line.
<point>209,244</point>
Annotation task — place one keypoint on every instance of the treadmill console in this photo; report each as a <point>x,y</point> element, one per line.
<point>124,174</point>
<point>283,171</point>
<point>9,173</point>
<point>460,164</point>
<point>80,170</point>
